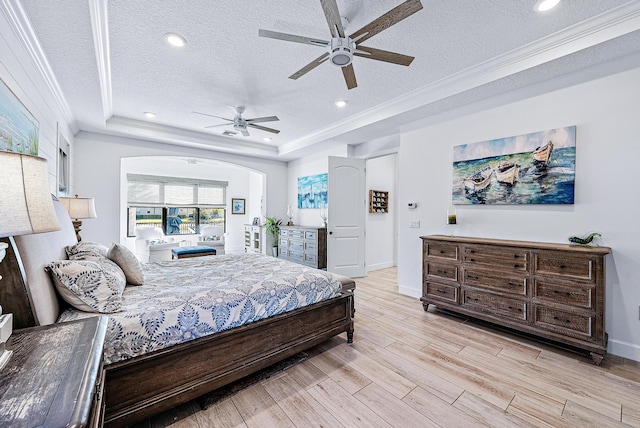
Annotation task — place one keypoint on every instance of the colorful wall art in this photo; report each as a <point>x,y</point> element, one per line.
<point>312,191</point>
<point>536,168</point>
<point>19,130</point>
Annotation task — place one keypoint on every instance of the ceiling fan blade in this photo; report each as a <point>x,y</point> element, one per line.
<point>210,115</point>
<point>244,132</point>
<point>385,21</point>
<point>215,126</point>
<point>293,38</point>
<point>307,68</point>
<point>264,128</point>
<point>380,55</point>
<point>332,14</point>
<point>262,119</point>
<point>349,76</point>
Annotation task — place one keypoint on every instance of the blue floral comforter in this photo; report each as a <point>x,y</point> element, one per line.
<point>185,299</point>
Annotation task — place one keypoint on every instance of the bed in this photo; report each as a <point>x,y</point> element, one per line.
<point>163,372</point>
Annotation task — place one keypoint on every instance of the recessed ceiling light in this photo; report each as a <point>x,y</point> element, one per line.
<point>341,103</point>
<point>149,114</point>
<point>267,139</point>
<point>175,40</point>
<point>544,5</point>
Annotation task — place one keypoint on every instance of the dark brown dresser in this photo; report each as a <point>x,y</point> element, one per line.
<point>55,377</point>
<point>304,245</point>
<point>554,291</point>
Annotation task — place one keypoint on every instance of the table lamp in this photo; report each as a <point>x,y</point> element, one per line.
<point>79,208</point>
<point>25,207</point>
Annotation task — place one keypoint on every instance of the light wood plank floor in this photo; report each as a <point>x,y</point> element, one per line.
<point>407,367</point>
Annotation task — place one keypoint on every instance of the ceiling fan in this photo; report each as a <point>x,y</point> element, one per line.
<point>341,48</point>
<point>241,124</point>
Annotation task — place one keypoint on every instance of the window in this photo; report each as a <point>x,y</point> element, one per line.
<point>177,205</point>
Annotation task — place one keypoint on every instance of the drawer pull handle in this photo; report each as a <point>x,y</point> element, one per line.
<point>514,285</point>
<point>516,265</point>
<point>472,251</point>
<point>472,260</point>
<point>515,256</point>
<point>439,290</point>
<point>441,252</point>
<point>562,266</point>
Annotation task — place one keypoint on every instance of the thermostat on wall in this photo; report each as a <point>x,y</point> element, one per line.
<point>413,205</point>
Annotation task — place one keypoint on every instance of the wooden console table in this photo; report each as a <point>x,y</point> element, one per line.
<point>553,291</point>
<point>55,376</point>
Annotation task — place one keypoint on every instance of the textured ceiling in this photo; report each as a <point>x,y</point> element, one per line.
<point>466,51</point>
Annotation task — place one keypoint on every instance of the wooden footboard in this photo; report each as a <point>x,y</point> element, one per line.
<point>146,385</point>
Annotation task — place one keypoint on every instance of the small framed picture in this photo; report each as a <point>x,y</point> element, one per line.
<point>237,206</point>
<point>256,221</point>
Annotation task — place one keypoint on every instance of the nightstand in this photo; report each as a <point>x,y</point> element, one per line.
<point>55,377</point>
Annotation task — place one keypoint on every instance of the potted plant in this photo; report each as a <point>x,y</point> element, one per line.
<point>272,225</point>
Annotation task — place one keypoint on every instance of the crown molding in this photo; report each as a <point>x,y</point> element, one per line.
<point>601,28</point>
<point>100,30</point>
<point>19,23</point>
<point>122,126</point>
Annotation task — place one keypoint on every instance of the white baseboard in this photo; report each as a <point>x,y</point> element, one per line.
<point>412,292</point>
<point>378,266</point>
<point>624,349</point>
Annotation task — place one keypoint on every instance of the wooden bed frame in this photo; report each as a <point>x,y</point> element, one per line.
<point>148,384</point>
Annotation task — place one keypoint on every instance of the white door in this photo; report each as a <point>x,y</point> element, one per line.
<point>347,203</point>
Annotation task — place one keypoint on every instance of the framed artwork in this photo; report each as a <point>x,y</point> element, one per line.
<point>237,206</point>
<point>256,221</point>
<point>312,191</point>
<point>536,168</point>
<point>19,130</point>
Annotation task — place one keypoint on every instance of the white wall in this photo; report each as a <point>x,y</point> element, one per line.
<point>381,228</point>
<point>97,166</point>
<point>309,165</point>
<point>606,113</point>
<point>239,186</point>
<point>21,75</point>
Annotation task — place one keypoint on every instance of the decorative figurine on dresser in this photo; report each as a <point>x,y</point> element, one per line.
<point>306,245</point>
<point>554,291</point>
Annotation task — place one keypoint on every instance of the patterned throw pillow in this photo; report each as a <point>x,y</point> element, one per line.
<point>86,251</point>
<point>89,285</point>
<point>128,262</point>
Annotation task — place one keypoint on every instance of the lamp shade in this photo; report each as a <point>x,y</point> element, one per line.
<point>79,207</point>
<point>25,200</point>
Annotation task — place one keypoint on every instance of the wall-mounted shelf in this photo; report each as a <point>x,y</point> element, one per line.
<point>378,201</point>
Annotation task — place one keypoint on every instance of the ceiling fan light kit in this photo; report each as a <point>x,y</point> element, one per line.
<point>341,51</point>
<point>342,48</point>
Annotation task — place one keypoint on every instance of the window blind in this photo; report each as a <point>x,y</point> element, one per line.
<point>152,190</point>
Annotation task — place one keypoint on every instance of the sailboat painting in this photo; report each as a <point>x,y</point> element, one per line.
<point>19,130</point>
<point>536,168</point>
<point>312,191</point>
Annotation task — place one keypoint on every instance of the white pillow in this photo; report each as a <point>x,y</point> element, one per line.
<point>89,285</point>
<point>128,262</point>
<point>86,251</point>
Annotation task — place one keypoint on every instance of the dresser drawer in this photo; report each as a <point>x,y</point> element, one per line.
<point>495,281</point>
<point>311,235</point>
<point>295,256</point>
<point>563,322</point>
<point>284,232</point>
<point>441,270</point>
<point>296,233</point>
<point>284,243</point>
<point>310,246</point>
<point>495,304</point>
<point>296,245</point>
<point>513,259</point>
<point>311,259</point>
<point>560,264</point>
<point>444,250</point>
<point>441,291</point>
<point>580,296</point>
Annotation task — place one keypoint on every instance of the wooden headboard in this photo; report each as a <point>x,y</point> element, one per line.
<point>26,289</point>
